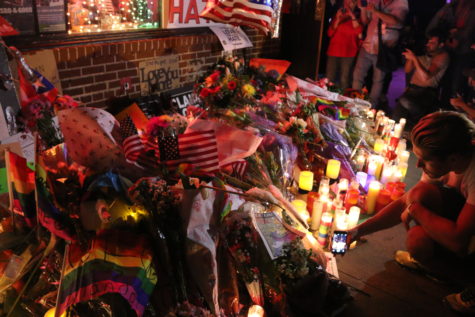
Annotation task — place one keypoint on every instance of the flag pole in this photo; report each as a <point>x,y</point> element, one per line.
<point>9,186</point>
<point>65,259</point>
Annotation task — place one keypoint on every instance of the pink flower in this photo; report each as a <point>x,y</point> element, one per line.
<point>155,124</point>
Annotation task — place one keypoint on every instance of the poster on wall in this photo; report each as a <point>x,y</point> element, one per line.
<point>184,14</point>
<point>51,16</point>
<point>19,13</point>
<point>159,74</point>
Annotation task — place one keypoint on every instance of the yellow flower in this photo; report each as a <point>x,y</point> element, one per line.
<point>248,90</point>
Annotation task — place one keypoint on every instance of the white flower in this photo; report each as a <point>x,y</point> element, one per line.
<point>302,123</point>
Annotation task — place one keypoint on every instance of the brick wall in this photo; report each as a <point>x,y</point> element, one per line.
<point>92,73</point>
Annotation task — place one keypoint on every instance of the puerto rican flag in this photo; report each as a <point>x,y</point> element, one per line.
<point>254,13</point>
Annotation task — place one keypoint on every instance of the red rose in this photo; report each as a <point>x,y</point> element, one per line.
<point>204,93</point>
<point>232,85</point>
<point>215,89</point>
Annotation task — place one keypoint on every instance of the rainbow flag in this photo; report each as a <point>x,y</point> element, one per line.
<point>117,262</point>
<point>21,183</point>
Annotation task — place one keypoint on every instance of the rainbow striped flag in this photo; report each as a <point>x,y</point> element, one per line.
<point>117,262</point>
<point>21,182</point>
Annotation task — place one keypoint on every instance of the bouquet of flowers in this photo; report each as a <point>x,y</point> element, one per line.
<point>242,240</point>
<point>162,203</point>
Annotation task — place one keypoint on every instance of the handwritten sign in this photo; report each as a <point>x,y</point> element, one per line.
<point>160,74</point>
<point>231,37</point>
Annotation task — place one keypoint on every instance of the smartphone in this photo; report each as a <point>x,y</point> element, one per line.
<point>364,3</point>
<point>339,242</point>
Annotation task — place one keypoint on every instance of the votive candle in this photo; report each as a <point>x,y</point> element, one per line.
<point>360,160</point>
<point>403,169</point>
<point>362,177</point>
<point>373,192</point>
<point>325,226</point>
<point>404,157</point>
<point>402,123</point>
<point>397,130</point>
<point>301,207</point>
<point>306,180</point>
<point>333,169</point>
<point>372,167</point>
<point>319,207</point>
<point>353,217</point>
<point>387,174</point>
<point>379,145</point>
<point>341,219</point>
<point>255,311</point>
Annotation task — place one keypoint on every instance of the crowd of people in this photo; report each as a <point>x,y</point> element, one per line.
<point>437,77</point>
<point>438,103</point>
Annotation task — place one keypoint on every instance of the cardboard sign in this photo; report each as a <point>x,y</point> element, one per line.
<point>159,74</point>
<point>181,98</point>
<point>231,37</point>
<point>184,14</point>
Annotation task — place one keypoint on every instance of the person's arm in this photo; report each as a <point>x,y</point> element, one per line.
<point>408,66</point>
<point>455,236</point>
<point>459,103</point>
<point>357,27</point>
<point>365,15</point>
<point>335,23</point>
<point>386,218</point>
<point>436,64</point>
<point>389,19</point>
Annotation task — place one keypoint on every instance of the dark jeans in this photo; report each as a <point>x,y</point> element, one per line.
<point>415,103</point>
<point>339,70</point>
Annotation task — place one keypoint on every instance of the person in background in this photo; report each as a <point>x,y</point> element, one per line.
<point>439,211</point>
<point>466,103</point>
<point>457,16</point>
<point>345,36</point>
<point>392,13</point>
<point>422,96</point>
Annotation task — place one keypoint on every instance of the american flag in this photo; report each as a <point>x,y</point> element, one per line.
<point>253,13</point>
<point>198,148</point>
<point>237,168</point>
<point>135,150</point>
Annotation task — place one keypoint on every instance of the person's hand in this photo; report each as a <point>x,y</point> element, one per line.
<point>409,55</point>
<point>353,235</point>
<point>339,15</point>
<point>457,102</point>
<point>406,216</point>
<point>371,7</point>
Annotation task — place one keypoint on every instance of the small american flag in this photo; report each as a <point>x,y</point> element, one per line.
<point>134,149</point>
<point>197,148</point>
<point>237,168</point>
<point>253,13</point>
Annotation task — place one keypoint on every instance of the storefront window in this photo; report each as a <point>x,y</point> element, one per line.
<point>112,15</point>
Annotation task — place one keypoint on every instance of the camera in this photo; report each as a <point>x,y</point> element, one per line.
<point>343,10</point>
<point>339,242</point>
<point>364,3</point>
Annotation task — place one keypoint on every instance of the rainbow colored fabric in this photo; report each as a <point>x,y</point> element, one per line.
<point>117,262</point>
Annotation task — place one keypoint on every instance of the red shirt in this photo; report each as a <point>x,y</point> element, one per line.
<point>344,41</point>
